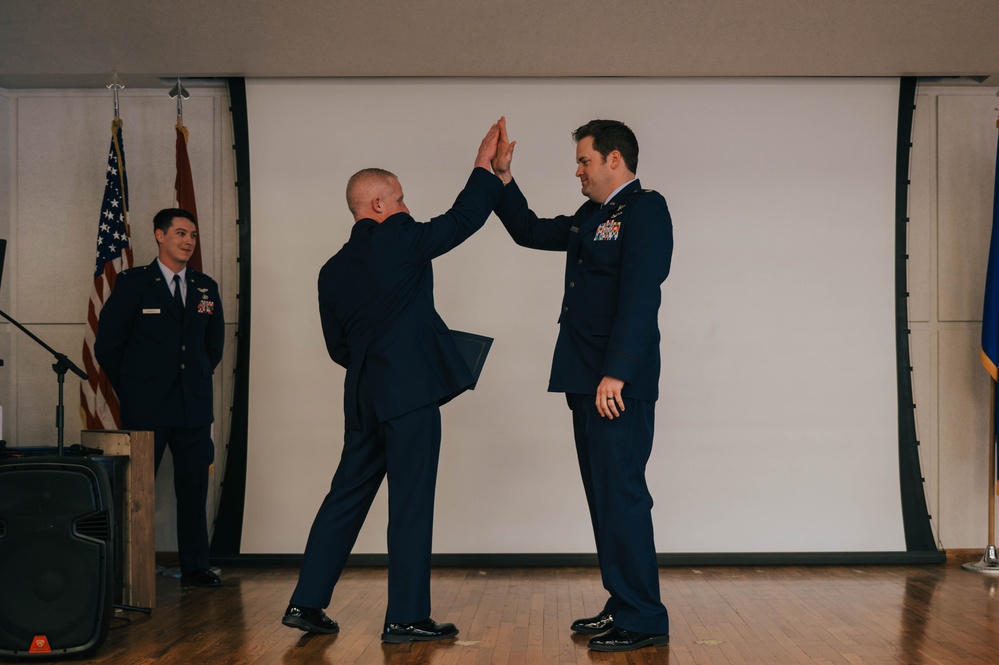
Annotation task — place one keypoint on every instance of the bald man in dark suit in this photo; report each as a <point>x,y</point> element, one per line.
<point>377,310</point>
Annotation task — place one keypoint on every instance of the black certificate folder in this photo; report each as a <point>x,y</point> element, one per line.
<point>474,349</point>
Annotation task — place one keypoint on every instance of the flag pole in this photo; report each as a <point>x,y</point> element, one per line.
<point>991,550</point>
<point>989,563</point>
<point>115,85</point>
<point>179,92</point>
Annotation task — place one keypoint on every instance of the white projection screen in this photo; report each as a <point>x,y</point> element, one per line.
<point>776,429</point>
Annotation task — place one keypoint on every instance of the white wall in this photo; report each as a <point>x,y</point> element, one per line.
<point>53,156</point>
<point>8,167</point>
<point>950,206</point>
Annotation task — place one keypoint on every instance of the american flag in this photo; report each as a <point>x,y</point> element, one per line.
<point>98,403</point>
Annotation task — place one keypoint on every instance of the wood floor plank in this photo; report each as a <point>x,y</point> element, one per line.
<point>879,615</point>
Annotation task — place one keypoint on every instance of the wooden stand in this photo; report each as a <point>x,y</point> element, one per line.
<point>139,520</point>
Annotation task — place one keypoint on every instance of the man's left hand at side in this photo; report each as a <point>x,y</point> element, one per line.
<point>610,403</point>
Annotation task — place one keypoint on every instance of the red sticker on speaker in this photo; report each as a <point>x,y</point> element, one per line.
<point>40,645</point>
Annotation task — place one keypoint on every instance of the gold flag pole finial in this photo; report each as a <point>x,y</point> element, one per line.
<point>115,85</point>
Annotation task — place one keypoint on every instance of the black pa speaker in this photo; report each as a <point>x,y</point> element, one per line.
<point>56,576</point>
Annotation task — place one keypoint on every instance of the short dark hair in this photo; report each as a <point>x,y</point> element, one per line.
<point>163,220</point>
<point>608,136</point>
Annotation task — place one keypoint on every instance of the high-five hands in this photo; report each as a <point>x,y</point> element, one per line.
<point>504,153</point>
<point>487,149</point>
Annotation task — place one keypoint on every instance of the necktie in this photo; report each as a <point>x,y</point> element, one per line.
<point>178,298</point>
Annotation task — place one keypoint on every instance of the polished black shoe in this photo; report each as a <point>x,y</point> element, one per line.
<point>593,625</point>
<point>309,619</point>
<point>619,639</point>
<point>421,631</point>
<point>205,577</point>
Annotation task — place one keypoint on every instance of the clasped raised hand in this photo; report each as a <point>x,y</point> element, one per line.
<point>504,153</point>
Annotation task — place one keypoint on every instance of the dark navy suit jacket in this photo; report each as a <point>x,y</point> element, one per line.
<point>160,362</point>
<point>617,257</point>
<point>376,303</point>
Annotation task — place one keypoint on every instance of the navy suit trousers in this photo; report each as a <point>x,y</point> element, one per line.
<point>406,449</point>
<point>612,457</point>
<point>193,453</point>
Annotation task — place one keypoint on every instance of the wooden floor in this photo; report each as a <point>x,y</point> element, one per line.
<point>828,615</point>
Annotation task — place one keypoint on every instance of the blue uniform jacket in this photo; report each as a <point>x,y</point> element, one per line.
<point>617,257</point>
<point>160,362</point>
<point>376,304</point>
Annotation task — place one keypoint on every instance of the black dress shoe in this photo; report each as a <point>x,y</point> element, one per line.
<point>593,625</point>
<point>309,619</point>
<point>205,577</point>
<point>619,639</point>
<point>421,631</point>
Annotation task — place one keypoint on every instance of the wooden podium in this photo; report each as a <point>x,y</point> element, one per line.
<point>139,521</point>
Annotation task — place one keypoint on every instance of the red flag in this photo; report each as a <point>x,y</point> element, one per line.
<point>98,403</point>
<point>184,184</point>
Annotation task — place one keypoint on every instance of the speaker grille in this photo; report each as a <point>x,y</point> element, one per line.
<point>55,556</point>
<point>95,525</point>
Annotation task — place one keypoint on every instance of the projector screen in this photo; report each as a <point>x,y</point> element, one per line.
<point>776,428</point>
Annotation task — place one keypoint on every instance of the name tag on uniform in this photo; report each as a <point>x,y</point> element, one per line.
<point>151,311</point>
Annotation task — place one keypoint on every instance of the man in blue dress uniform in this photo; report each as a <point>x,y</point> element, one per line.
<point>376,304</point>
<point>618,248</point>
<point>159,339</point>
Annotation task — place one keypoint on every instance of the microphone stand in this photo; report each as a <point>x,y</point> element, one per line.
<point>61,366</point>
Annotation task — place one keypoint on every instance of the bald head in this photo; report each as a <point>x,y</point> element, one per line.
<point>374,194</point>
